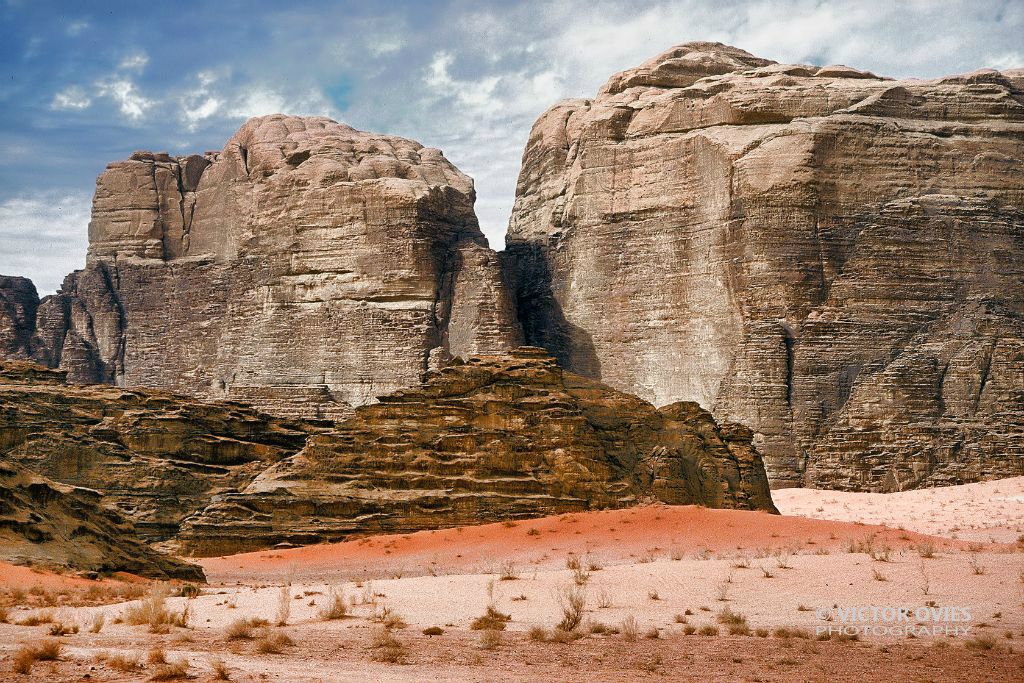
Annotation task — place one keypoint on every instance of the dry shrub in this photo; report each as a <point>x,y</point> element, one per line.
<point>433,631</point>
<point>284,605</point>
<point>629,628</point>
<point>786,632</point>
<point>389,618</point>
<point>490,639</point>
<point>96,625</point>
<point>538,634</point>
<point>152,611</point>
<point>708,630</point>
<point>273,643</point>
<point>652,633</point>
<point>242,629</point>
<point>729,618</point>
<point>171,671</point>
<point>37,618</point>
<point>156,656</point>
<point>386,648</point>
<point>335,608</point>
<point>27,655</point>
<point>689,630</point>
<point>220,670</point>
<point>508,571</point>
<point>560,636</point>
<point>491,620</point>
<point>983,641</point>
<point>121,662</point>
<point>572,600</point>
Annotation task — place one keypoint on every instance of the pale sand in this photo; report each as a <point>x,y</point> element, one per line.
<point>721,554</point>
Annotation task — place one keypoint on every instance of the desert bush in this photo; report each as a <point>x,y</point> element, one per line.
<point>96,625</point>
<point>27,655</point>
<point>490,639</point>
<point>284,605</point>
<point>220,670</point>
<point>878,576</point>
<point>653,595</point>
<point>124,663</point>
<point>171,671</point>
<point>188,590</point>
<point>982,641</point>
<point>335,608</point>
<point>491,620</point>
<point>508,571</point>
<point>273,643</point>
<point>537,633</point>
<point>386,648</point>
<point>689,630</point>
<point>152,611</point>
<point>926,550</point>
<point>708,630</point>
<point>976,567</point>
<point>560,636</point>
<point>786,632</point>
<point>580,574</point>
<point>629,628</point>
<point>37,618</point>
<point>242,629</point>
<point>572,600</point>
<point>389,618</point>
<point>729,618</point>
<point>652,633</point>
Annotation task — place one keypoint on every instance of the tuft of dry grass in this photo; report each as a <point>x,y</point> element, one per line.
<point>152,611</point>
<point>284,605</point>
<point>708,630</point>
<point>689,630</point>
<point>220,670</point>
<point>96,625</point>
<point>491,620</point>
<point>983,641</point>
<point>335,608</point>
<point>274,643</point>
<point>787,632</point>
<point>572,600</point>
<point>508,571</point>
<point>652,633</point>
<point>27,655</point>
<point>538,634</point>
<point>629,629</point>
<point>386,648</point>
<point>490,639</point>
<point>171,671</point>
<point>37,618</point>
<point>124,663</point>
<point>242,629</point>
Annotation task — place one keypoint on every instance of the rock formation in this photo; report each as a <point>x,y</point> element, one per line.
<point>832,258</point>
<point>55,525</point>
<point>492,438</point>
<point>495,438</point>
<point>155,457</point>
<point>306,267</point>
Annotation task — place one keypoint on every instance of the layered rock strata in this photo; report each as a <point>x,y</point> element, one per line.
<point>55,525</point>
<point>306,267</point>
<point>491,439</point>
<point>833,258</point>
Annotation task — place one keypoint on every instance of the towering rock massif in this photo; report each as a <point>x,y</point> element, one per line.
<point>306,267</point>
<point>833,258</point>
<point>495,438</point>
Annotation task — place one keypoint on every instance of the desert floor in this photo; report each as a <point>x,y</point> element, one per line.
<point>779,583</point>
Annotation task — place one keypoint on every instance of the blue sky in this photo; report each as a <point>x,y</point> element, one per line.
<point>86,83</point>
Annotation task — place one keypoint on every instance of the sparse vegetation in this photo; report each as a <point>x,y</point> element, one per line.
<point>284,605</point>
<point>572,600</point>
<point>242,629</point>
<point>629,629</point>
<point>171,671</point>
<point>707,630</point>
<point>491,620</point>
<point>786,632</point>
<point>386,648</point>
<point>96,625</point>
<point>27,655</point>
<point>220,670</point>
<point>335,608</point>
<point>273,643</point>
<point>123,663</point>
<point>433,631</point>
<point>490,639</point>
<point>983,641</point>
<point>152,611</point>
<point>537,633</point>
<point>508,571</point>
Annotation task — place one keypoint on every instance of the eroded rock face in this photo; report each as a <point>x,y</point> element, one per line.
<point>18,303</point>
<point>307,267</point>
<point>156,457</point>
<point>495,438</point>
<point>46,523</point>
<point>830,257</point>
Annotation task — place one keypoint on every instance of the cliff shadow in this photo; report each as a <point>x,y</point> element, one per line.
<point>526,267</point>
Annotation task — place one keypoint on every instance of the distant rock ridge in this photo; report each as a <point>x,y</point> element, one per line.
<point>492,438</point>
<point>830,257</point>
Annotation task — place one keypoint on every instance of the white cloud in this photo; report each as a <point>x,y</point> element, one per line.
<point>130,101</point>
<point>384,44</point>
<point>43,236</point>
<point>1009,60</point>
<point>77,27</point>
<point>134,62</point>
<point>198,104</point>
<point>260,100</point>
<point>71,98</point>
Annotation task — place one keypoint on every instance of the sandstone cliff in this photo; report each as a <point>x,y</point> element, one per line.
<point>489,439</point>
<point>55,525</point>
<point>494,438</point>
<point>156,457</point>
<point>832,258</point>
<point>306,267</point>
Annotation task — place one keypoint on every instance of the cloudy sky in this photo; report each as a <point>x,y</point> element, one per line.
<point>86,83</point>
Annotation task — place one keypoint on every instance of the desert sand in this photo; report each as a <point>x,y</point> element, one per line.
<point>778,582</point>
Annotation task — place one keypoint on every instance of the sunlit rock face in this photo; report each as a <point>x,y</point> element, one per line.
<point>306,267</point>
<point>832,258</point>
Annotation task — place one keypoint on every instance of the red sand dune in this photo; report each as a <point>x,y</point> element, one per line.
<point>617,536</point>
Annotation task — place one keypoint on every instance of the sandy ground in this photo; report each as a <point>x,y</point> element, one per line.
<point>666,569</point>
<point>989,511</point>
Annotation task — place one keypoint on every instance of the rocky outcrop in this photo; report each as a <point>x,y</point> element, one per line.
<point>307,267</point>
<point>156,457</point>
<point>55,525</point>
<point>832,258</point>
<point>18,303</point>
<point>494,438</point>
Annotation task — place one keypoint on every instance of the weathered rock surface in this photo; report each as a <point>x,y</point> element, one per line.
<point>18,303</point>
<point>307,267</point>
<point>494,438</point>
<point>156,457</point>
<point>832,258</point>
<point>51,524</point>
